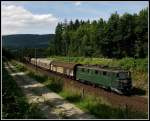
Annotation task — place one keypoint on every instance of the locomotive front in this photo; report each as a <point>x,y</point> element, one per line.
<point>125,82</point>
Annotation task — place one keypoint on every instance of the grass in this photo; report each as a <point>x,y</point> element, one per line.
<point>55,84</point>
<point>138,67</point>
<point>99,107</point>
<point>95,105</point>
<point>14,102</point>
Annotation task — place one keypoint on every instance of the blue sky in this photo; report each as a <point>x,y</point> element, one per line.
<point>33,13</point>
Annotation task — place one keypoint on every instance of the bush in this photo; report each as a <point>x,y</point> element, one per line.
<point>55,84</point>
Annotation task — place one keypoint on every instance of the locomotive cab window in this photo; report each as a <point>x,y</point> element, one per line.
<point>82,69</point>
<point>123,75</point>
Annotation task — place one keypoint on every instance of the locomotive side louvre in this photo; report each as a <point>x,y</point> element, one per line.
<point>103,78</point>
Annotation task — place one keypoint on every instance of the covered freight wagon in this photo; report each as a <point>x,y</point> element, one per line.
<point>68,69</point>
<point>44,63</point>
<point>34,61</point>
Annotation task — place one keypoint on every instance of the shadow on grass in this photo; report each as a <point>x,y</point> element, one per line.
<point>55,87</point>
<point>106,112</point>
<point>15,105</point>
<point>101,110</point>
<point>73,98</point>
<point>138,91</point>
<point>54,84</point>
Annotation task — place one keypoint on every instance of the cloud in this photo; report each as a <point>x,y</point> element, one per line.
<point>16,20</point>
<point>77,3</point>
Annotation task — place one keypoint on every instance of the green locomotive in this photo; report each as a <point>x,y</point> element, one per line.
<point>117,80</point>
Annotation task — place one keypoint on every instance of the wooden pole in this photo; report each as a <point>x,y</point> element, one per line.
<point>82,92</point>
<point>35,60</point>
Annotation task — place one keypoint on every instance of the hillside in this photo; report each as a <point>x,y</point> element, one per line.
<point>27,40</point>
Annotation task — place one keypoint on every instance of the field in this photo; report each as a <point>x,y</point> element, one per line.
<point>138,67</point>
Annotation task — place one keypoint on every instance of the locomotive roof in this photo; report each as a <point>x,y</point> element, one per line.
<point>103,69</point>
<point>64,64</point>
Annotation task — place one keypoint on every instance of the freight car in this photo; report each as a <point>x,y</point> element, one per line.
<point>41,62</point>
<point>68,69</point>
<point>114,79</point>
<point>33,61</point>
<point>44,63</point>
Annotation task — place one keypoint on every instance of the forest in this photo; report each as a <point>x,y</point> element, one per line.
<point>17,41</point>
<point>120,36</point>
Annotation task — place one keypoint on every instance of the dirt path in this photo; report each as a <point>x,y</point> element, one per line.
<point>53,106</point>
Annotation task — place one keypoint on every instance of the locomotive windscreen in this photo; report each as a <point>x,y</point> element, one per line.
<point>123,75</point>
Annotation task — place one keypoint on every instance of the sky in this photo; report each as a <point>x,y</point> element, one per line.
<point>41,17</point>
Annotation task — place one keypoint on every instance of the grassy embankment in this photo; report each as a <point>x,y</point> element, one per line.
<point>14,102</point>
<point>95,105</point>
<point>138,67</point>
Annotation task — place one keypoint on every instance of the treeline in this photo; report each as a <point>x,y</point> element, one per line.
<point>120,36</point>
<point>26,40</point>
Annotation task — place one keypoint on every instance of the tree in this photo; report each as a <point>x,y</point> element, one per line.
<point>120,36</point>
<point>141,31</point>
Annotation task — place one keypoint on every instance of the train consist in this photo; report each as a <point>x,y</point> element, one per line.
<point>114,79</point>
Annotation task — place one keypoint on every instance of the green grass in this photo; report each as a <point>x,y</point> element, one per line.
<point>99,107</point>
<point>55,84</point>
<point>14,102</point>
<point>95,105</point>
<point>138,67</point>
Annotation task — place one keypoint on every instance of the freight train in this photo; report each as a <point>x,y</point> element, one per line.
<point>117,80</point>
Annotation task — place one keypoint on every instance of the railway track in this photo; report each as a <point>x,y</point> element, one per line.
<point>134,102</point>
